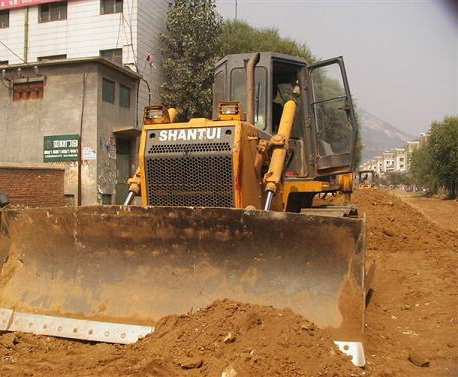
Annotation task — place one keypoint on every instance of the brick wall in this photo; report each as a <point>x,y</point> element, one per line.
<point>33,187</point>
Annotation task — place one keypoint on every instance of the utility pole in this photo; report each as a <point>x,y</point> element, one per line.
<point>236,10</point>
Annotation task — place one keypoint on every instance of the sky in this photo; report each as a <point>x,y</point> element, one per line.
<point>401,56</point>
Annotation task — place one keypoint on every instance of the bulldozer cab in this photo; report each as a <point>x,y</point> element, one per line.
<point>324,132</point>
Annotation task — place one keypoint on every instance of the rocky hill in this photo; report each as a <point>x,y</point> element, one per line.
<point>379,135</point>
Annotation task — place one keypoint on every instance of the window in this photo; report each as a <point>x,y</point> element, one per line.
<point>110,6</point>
<point>106,199</point>
<point>401,159</point>
<point>4,19</point>
<point>51,57</point>
<point>52,12</point>
<point>124,96</point>
<point>333,125</point>
<point>3,62</point>
<point>27,91</point>
<point>238,92</point>
<point>218,90</point>
<point>115,55</point>
<point>108,91</point>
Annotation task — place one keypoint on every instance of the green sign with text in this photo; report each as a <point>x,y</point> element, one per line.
<point>58,148</point>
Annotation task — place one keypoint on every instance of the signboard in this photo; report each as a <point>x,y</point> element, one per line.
<point>89,154</point>
<point>60,148</point>
<point>10,4</point>
<point>112,152</point>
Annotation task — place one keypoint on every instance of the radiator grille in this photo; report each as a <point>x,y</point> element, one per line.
<point>189,148</point>
<point>189,173</point>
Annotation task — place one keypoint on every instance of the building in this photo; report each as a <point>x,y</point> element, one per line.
<point>395,160</point>
<point>90,100</point>
<point>379,165</point>
<point>400,160</point>
<point>410,147</point>
<point>388,161</point>
<point>78,70</point>
<point>125,31</point>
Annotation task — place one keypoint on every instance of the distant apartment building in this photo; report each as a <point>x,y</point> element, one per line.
<point>379,164</point>
<point>395,160</point>
<point>400,160</point>
<point>388,161</point>
<point>78,70</point>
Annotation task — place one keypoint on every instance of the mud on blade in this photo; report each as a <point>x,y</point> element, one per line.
<point>135,265</point>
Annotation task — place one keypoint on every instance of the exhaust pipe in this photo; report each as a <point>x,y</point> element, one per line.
<point>250,75</point>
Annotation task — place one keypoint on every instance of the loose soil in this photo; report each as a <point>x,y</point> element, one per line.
<point>411,323</point>
<point>414,306</point>
<point>224,337</point>
<point>443,212</point>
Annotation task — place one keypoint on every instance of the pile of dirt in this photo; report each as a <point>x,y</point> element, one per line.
<point>224,339</point>
<point>412,318</point>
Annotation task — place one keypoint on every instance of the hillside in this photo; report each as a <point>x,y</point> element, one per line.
<point>379,135</point>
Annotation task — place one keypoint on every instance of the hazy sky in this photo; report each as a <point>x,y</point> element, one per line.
<point>401,55</point>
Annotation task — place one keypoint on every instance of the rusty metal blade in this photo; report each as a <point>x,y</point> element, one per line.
<point>135,265</point>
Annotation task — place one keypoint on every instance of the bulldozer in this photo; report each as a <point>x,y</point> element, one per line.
<point>218,208</point>
<point>366,178</point>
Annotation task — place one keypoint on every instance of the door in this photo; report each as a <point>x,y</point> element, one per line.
<point>334,118</point>
<point>123,173</point>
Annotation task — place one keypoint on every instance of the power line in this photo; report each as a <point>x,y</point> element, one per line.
<point>12,52</point>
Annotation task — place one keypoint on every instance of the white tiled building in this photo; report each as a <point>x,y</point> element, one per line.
<point>395,160</point>
<point>400,160</point>
<point>388,161</point>
<point>126,31</point>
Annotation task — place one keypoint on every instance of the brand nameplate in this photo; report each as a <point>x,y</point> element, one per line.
<point>212,133</point>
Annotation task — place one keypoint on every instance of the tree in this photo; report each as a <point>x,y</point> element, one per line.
<point>443,148</point>
<point>435,163</point>
<point>190,50</point>
<point>421,169</point>
<point>238,37</point>
<point>396,179</point>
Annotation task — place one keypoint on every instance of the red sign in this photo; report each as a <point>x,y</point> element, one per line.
<point>10,4</point>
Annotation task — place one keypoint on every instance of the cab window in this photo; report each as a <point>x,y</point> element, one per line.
<point>238,93</point>
<point>286,86</point>
<point>334,128</point>
<point>218,91</point>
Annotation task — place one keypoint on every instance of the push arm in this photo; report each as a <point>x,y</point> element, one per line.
<point>279,142</point>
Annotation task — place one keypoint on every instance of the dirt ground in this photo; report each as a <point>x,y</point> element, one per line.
<point>443,212</point>
<point>411,323</point>
<point>414,307</point>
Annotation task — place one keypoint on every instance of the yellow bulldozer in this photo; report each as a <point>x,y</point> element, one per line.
<point>366,178</point>
<point>226,212</point>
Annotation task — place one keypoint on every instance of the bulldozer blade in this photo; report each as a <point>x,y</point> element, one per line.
<point>134,265</point>
<point>72,328</point>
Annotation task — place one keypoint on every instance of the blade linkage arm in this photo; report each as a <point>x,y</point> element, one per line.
<point>279,143</point>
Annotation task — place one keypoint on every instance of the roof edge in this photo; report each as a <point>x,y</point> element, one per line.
<point>90,59</point>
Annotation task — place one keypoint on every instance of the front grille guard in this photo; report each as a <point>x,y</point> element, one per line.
<point>189,173</point>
